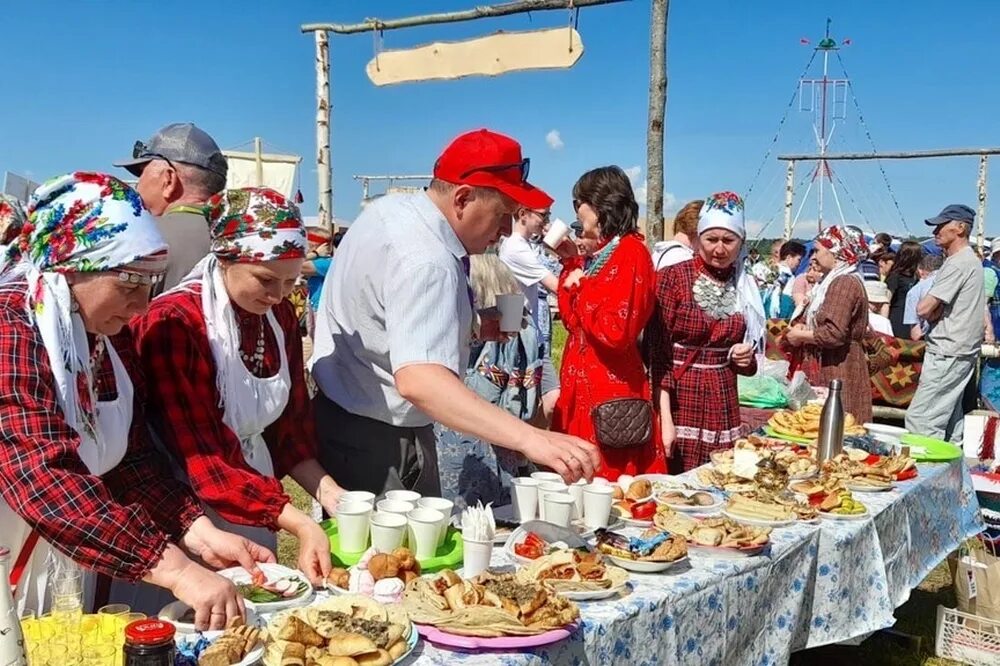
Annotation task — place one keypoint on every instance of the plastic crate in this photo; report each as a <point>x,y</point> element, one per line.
<point>967,638</point>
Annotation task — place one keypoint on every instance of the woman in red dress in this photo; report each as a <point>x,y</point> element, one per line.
<point>605,301</point>
<point>711,320</point>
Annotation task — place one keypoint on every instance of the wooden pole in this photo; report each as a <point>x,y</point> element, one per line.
<point>898,155</point>
<point>981,189</point>
<point>259,159</point>
<point>789,197</point>
<point>488,11</point>
<point>323,171</point>
<point>657,228</point>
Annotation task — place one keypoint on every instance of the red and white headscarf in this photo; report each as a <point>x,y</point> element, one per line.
<point>849,246</point>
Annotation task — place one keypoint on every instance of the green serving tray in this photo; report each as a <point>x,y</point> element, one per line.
<point>934,450</point>
<point>449,555</point>
<point>771,432</point>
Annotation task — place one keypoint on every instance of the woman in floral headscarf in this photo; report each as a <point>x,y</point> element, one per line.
<point>223,355</point>
<point>81,487</point>
<point>12,218</point>
<point>710,321</point>
<point>836,321</point>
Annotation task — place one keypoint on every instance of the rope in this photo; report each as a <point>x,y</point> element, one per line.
<point>850,198</point>
<point>777,133</point>
<point>864,126</point>
<point>774,216</point>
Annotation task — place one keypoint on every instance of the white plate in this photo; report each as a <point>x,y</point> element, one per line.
<point>632,522</point>
<point>720,553</point>
<point>759,522</point>
<point>594,595</point>
<point>253,657</point>
<point>845,516</point>
<point>273,572</point>
<point>693,509</point>
<point>173,611</point>
<point>892,431</point>
<point>639,566</point>
<point>869,489</point>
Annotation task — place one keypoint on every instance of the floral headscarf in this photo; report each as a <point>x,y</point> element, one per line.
<point>254,224</point>
<point>12,218</point>
<point>77,223</point>
<point>725,210</point>
<point>849,246</point>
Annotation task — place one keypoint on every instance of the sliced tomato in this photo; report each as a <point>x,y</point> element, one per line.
<point>816,499</point>
<point>907,474</point>
<point>644,511</point>
<point>534,540</point>
<point>530,551</point>
<point>872,459</point>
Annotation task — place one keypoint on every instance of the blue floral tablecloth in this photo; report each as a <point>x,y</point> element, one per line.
<point>817,584</point>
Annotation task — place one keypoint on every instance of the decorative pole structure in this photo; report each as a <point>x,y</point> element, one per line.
<point>789,197</point>
<point>656,227</point>
<point>324,173</point>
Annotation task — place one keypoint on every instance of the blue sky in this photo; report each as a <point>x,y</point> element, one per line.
<point>89,78</point>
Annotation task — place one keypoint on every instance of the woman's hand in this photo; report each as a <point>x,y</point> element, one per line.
<point>567,249</point>
<point>314,552</point>
<point>214,599</point>
<point>797,335</point>
<point>328,495</point>
<point>220,549</point>
<point>668,434</point>
<point>741,355</point>
<point>573,279</point>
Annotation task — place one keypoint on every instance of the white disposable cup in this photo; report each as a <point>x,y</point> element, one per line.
<point>559,508</point>
<point>558,230</point>
<point>525,498</point>
<point>395,506</point>
<point>358,496</point>
<point>403,495</point>
<point>422,531</point>
<point>353,525</point>
<point>600,481</point>
<point>544,489</point>
<point>597,501</point>
<point>388,531</point>
<point>576,491</point>
<point>443,505</point>
<point>511,308</point>
<point>475,557</point>
<point>542,477</point>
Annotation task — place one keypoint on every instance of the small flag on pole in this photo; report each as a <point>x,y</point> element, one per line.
<point>803,40</point>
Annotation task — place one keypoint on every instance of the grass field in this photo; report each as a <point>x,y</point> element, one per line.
<point>911,644</point>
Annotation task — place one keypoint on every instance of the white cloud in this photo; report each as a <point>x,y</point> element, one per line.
<point>554,139</point>
<point>670,202</point>
<point>633,173</point>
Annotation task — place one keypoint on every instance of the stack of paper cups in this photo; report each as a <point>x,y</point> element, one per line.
<point>353,525</point>
<point>543,490</point>
<point>576,491</point>
<point>597,500</point>
<point>424,525</point>
<point>525,498</point>
<point>444,506</point>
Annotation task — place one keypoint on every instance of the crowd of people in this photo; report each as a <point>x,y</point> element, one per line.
<point>156,388</point>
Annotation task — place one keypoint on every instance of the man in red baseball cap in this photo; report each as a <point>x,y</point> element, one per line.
<point>395,321</point>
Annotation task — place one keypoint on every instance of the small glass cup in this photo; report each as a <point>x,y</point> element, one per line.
<point>111,617</point>
<point>99,655</point>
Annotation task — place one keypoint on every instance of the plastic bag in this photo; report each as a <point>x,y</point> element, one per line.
<point>799,391</point>
<point>770,368</point>
<point>762,392</point>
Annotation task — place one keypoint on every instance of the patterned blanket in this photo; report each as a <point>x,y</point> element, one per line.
<point>894,386</point>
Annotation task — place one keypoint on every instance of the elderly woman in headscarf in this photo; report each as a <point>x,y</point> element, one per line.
<point>81,486</point>
<point>12,218</point>
<point>223,355</point>
<point>836,321</point>
<point>711,322</point>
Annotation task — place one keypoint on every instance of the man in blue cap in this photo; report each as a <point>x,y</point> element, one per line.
<point>955,307</point>
<point>179,169</point>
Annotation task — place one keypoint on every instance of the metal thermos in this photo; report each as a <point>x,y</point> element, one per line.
<point>831,425</point>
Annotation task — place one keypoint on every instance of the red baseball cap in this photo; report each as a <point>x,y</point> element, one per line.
<point>487,159</point>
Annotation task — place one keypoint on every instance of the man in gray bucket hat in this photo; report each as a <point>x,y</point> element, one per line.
<point>955,307</point>
<point>179,169</point>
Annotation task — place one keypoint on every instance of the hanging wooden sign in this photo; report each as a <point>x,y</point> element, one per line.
<point>557,48</point>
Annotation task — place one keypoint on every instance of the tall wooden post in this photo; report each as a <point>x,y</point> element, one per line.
<point>981,212</point>
<point>258,152</point>
<point>657,228</point>
<point>789,197</point>
<point>323,170</point>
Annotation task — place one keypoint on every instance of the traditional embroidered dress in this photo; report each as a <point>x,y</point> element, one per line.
<point>227,387</point>
<point>604,315</point>
<point>699,322</point>
<point>76,470</point>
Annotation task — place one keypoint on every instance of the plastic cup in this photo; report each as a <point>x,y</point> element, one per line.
<point>99,655</point>
<point>388,531</point>
<point>395,506</point>
<point>544,489</point>
<point>559,508</point>
<point>542,477</point>
<point>353,525</point>
<point>422,531</point>
<point>358,496</point>
<point>443,505</point>
<point>108,618</point>
<point>576,491</point>
<point>403,495</point>
<point>558,230</point>
<point>511,308</point>
<point>475,557</point>
<point>597,501</point>
<point>525,498</point>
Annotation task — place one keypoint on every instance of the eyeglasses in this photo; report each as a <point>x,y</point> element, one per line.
<point>146,279</point>
<point>139,149</point>
<point>524,166</point>
<point>576,205</point>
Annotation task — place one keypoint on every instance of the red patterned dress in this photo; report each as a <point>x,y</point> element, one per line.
<point>604,315</point>
<point>691,360</point>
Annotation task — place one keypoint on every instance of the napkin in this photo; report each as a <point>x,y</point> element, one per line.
<point>478,523</point>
